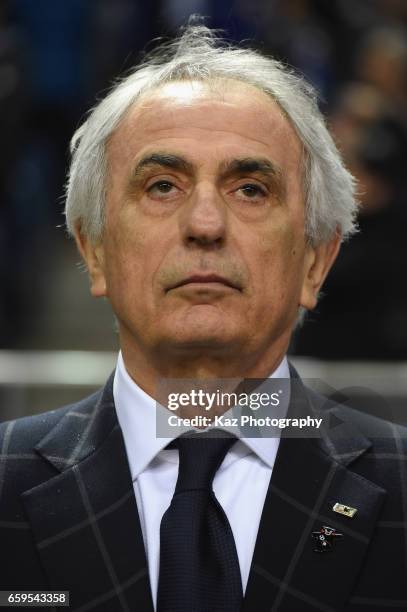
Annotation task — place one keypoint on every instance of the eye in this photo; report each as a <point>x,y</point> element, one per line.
<point>160,188</point>
<point>252,191</point>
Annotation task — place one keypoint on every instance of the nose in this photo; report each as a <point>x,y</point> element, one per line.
<point>203,221</point>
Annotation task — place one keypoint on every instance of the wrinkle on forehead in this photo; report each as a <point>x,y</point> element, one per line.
<point>228,92</point>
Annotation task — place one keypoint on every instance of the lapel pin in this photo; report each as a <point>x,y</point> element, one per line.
<point>324,539</point>
<point>345,510</point>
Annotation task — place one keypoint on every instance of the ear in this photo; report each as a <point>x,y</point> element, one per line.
<point>93,256</point>
<point>318,261</point>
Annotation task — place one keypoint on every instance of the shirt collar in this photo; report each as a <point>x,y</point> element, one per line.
<point>136,413</point>
<point>266,448</point>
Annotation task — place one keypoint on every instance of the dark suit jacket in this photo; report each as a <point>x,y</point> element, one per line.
<point>69,520</point>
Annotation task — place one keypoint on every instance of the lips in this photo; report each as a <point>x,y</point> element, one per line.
<point>205,278</point>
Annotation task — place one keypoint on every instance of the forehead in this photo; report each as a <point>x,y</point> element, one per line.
<point>214,120</point>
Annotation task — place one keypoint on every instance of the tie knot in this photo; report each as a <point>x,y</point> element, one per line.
<point>200,456</point>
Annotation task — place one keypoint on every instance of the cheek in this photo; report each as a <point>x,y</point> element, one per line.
<point>136,250</point>
<point>126,260</point>
<point>277,266</point>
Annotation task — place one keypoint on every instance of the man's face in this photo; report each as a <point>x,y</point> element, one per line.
<point>204,246</point>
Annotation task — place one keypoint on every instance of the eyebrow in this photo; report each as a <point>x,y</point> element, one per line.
<point>165,160</point>
<point>250,165</point>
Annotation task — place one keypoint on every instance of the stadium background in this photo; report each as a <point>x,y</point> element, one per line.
<point>58,56</point>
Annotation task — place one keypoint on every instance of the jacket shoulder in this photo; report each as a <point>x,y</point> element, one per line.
<point>23,434</point>
<point>384,434</point>
<point>21,466</point>
<point>379,430</point>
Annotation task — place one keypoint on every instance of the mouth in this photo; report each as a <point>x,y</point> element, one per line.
<point>208,280</point>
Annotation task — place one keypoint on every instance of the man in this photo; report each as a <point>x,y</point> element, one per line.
<point>208,202</point>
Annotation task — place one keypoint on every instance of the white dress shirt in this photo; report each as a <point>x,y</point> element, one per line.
<point>240,484</point>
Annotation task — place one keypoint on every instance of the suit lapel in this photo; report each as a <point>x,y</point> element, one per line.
<point>309,477</point>
<point>85,519</point>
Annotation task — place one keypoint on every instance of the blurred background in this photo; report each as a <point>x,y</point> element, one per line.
<point>57,58</point>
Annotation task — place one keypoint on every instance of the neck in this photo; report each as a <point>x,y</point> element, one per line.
<point>200,364</point>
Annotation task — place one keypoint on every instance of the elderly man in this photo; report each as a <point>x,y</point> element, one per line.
<point>208,201</point>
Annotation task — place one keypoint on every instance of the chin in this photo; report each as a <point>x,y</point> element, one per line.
<point>202,335</point>
<point>204,339</point>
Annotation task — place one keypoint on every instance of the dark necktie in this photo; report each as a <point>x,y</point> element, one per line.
<point>199,566</point>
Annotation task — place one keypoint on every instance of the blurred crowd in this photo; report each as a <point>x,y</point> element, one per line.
<point>56,57</point>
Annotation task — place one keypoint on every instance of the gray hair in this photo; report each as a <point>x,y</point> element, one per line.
<point>198,54</point>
